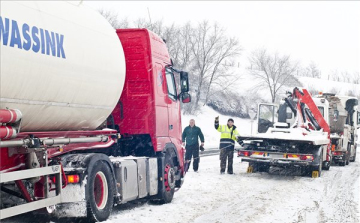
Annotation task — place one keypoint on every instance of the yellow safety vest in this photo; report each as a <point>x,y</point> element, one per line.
<point>226,132</point>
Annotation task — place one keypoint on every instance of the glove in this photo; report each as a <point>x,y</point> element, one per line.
<point>217,119</point>
<point>202,148</point>
<point>240,142</point>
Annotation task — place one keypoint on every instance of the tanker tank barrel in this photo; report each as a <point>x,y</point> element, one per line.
<point>10,115</point>
<point>58,57</point>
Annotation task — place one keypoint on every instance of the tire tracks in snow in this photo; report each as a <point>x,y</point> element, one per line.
<point>333,197</point>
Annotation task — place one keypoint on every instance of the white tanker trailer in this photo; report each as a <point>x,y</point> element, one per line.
<point>66,108</point>
<point>62,65</point>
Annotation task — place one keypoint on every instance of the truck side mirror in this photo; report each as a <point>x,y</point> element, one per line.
<point>184,82</point>
<point>336,115</point>
<point>185,97</point>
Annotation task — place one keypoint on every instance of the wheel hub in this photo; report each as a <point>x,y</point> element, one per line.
<point>100,190</point>
<point>169,178</point>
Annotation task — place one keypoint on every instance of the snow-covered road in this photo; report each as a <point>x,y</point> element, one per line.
<point>207,196</point>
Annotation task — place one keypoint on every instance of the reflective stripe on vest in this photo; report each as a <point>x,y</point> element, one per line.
<point>226,133</point>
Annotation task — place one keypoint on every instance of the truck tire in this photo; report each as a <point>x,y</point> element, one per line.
<point>99,191</point>
<point>326,165</point>
<point>352,159</point>
<point>348,154</point>
<point>263,168</point>
<point>169,180</point>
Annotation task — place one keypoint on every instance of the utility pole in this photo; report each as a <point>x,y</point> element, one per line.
<point>149,15</point>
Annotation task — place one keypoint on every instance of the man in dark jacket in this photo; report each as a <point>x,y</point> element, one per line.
<point>229,135</point>
<point>191,135</point>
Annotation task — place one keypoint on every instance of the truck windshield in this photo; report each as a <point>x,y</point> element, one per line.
<point>267,117</point>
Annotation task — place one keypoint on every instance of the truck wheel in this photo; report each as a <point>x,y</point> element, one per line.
<point>169,180</point>
<point>352,159</point>
<point>305,171</point>
<point>263,168</point>
<point>99,192</point>
<point>326,165</point>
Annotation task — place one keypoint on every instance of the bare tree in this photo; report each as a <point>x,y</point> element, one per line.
<point>204,51</point>
<point>345,76</point>
<point>180,49</point>
<point>211,48</point>
<point>112,18</point>
<point>335,76</point>
<point>272,71</point>
<point>311,70</point>
<point>356,77</point>
<point>157,26</point>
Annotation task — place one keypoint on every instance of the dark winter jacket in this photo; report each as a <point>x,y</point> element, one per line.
<point>191,134</point>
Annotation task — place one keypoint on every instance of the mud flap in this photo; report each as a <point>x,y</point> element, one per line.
<point>250,169</point>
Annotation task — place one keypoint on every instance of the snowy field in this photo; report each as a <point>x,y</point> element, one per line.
<point>207,196</point>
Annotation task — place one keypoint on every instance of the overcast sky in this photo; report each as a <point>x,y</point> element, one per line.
<point>327,33</point>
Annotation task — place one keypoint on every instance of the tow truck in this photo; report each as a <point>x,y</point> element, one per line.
<point>294,133</point>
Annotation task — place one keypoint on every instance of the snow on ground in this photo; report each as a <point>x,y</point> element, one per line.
<point>207,196</point>
<point>205,120</point>
<point>327,86</point>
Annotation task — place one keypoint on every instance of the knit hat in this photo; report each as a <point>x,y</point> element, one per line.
<point>230,119</point>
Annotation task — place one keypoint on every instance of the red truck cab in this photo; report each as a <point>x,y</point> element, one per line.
<point>148,113</point>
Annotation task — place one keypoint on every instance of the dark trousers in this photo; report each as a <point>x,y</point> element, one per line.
<point>192,151</point>
<point>227,154</point>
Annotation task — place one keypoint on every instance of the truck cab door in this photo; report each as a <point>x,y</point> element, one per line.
<point>162,114</point>
<point>267,116</point>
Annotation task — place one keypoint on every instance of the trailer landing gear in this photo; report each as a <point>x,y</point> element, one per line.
<point>258,167</point>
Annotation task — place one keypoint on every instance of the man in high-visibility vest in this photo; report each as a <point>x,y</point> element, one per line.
<point>227,144</point>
